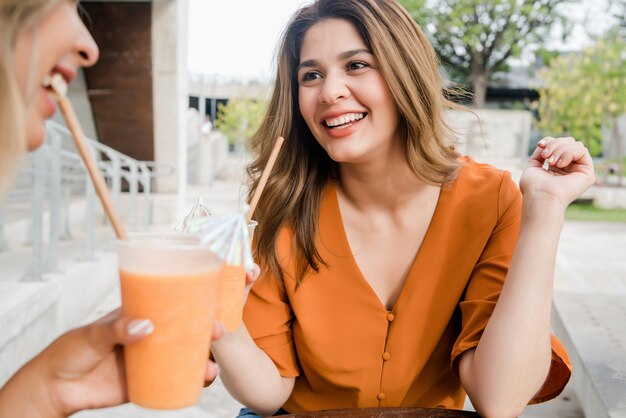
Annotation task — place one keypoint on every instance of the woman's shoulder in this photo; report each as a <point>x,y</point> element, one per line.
<point>480,175</point>
<point>472,171</point>
<point>480,181</point>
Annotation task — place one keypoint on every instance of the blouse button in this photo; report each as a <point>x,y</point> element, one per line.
<point>390,317</point>
<point>381,396</point>
<point>386,356</point>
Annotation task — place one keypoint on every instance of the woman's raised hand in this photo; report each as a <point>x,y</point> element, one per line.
<point>570,172</point>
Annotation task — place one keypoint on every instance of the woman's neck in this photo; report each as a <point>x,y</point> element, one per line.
<point>380,184</point>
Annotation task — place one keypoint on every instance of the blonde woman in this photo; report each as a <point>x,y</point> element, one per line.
<point>83,368</point>
<point>396,272</point>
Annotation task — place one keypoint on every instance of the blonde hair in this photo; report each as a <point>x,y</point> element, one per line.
<point>410,67</point>
<point>16,17</point>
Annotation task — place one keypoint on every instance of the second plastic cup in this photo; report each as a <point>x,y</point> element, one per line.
<point>173,281</point>
<point>232,286</point>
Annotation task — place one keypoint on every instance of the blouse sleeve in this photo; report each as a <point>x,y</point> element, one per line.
<point>484,288</point>
<point>268,317</point>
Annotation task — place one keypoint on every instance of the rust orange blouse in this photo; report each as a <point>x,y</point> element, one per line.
<point>346,350</point>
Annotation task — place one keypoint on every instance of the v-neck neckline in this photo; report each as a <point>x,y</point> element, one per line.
<point>343,238</point>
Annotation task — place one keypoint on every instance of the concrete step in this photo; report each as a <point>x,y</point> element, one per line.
<point>592,327</point>
<point>32,314</point>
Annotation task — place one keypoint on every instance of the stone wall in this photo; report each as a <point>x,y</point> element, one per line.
<point>490,134</point>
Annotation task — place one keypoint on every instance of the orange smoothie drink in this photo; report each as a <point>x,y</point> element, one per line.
<point>173,281</point>
<point>232,286</point>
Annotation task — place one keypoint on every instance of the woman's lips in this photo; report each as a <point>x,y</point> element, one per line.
<point>49,106</point>
<point>344,130</point>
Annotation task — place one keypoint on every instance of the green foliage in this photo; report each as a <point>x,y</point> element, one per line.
<point>545,56</point>
<point>585,91</point>
<point>475,38</point>
<point>589,212</point>
<point>240,118</point>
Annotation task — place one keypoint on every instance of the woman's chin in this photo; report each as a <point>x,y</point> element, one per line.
<point>345,156</point>
<point>36,135</point>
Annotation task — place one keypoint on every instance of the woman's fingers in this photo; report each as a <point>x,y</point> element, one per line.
<point>218,330</point>
<point>562,152</point>
<point>212,371</point>
<point>536,160</point>
<point>544,142</point>
<point>112,330</point>
<point>574,155</point>
<point>253,275</point>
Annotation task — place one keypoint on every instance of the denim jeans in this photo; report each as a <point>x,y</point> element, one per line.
<point>247,413</point>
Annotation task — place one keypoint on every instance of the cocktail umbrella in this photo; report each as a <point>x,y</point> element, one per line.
<point>228,235</point>
<point>225,235</point>
<point>198,211</point>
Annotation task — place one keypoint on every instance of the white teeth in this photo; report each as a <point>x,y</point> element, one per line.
<point>343,119</point>
<point>58,84</point>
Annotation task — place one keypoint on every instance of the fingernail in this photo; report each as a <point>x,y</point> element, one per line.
<point>542,142</point>
<point>140,327</point>
<point>546,152</point>
<point>551,160</point>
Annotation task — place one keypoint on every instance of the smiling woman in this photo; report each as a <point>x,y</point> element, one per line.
<point>39,38</point>
<point>397,273</point>
<point>58,42</point>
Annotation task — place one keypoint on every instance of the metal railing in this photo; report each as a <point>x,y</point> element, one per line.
<point>55,174</point>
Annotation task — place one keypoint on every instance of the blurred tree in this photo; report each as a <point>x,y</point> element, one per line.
<point>618,10</point>
<point>544,56</point>
<point>239,119</point>
<point>475,38</point>
<point>584,92</point>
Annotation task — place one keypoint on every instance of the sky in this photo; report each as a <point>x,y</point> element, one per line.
<point>590,18</point>
<point>235,39</point>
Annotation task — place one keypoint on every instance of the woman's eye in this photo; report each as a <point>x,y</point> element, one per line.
<point>310,76</point>
<point>356,65</point>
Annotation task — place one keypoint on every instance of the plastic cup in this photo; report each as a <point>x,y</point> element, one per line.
<point>232,286</point>
<point>173,281</point>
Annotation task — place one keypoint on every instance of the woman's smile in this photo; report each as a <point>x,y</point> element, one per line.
<point>343,125</point>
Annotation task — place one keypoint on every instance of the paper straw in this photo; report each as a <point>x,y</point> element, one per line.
<point>264,176</point>
<point>60,88</point>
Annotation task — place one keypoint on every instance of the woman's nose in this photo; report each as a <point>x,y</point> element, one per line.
<point>334,89</point>
<point>85,47</point>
